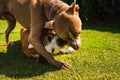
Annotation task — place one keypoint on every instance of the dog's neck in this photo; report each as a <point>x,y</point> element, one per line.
<point>55,8</point>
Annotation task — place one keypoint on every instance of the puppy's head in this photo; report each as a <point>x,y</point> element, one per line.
<point>53,43</point>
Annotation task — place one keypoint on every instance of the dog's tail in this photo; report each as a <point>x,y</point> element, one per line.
<point>75,1</point>
<point>74,7</point>
<point>24,32</point>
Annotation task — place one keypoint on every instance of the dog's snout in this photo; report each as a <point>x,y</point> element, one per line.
<point>75,44</point>
<point>61,42</point>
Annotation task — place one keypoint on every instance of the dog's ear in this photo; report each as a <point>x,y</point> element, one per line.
<point>74,9</point>
<point>49,24</point>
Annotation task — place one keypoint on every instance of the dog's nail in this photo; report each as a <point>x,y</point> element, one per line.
<point>66,66</point>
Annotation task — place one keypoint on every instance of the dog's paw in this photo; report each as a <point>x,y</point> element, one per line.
<point>62,65</point>
<point>66,65</point>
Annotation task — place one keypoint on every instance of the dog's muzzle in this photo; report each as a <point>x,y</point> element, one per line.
<point>75,43</point>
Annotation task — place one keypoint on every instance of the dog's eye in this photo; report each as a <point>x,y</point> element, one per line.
<point>53,50</point>
<point>50,38</point>
<point>71,35</point>
<point>61,42</point>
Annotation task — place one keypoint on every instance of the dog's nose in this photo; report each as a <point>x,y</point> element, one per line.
<point>61,42</point>
<point>75,44</point>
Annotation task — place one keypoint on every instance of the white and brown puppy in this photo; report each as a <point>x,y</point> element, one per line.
<point>52,43</point>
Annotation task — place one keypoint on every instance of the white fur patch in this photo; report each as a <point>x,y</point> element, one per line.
<point>78,42</point>
<point>35,56</point>
<point>30,46</point>
<point>53,45</point>
<point>67,50</point>
<point>48,48</point>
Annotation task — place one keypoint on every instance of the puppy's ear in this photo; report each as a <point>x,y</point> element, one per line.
<point>49,24</point>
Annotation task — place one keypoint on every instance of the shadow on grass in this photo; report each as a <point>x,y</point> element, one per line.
<point>113,28</point>
<point>2,33</point>
<point>12,32</point>
<point>16,65</point>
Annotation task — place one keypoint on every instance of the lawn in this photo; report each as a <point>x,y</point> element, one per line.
<point>97,59</point>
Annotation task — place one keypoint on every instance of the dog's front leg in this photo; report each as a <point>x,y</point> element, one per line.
<point>34,40</point>
<point>37,23</point>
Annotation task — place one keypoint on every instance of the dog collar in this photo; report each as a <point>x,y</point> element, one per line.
<point>54,5</point>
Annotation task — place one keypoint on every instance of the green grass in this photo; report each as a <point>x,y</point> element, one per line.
<point>97,59</point>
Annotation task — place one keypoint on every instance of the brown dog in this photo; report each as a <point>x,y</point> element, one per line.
<point>51,41</point>
<point>32,14</point>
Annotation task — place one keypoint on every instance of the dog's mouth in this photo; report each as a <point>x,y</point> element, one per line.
<point>75,44</point>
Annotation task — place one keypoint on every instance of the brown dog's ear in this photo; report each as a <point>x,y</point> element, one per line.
<point>76,9</point>
<point>49,24</point>
<point>73,8</point>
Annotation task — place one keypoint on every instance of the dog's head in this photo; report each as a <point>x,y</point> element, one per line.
<point>53,43</point>
<point>67,26</point>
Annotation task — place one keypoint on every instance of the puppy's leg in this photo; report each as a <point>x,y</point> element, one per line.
<point>11,25</point>
<point>37,23</point>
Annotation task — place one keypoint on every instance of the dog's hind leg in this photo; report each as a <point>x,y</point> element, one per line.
<point>11,25</point>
